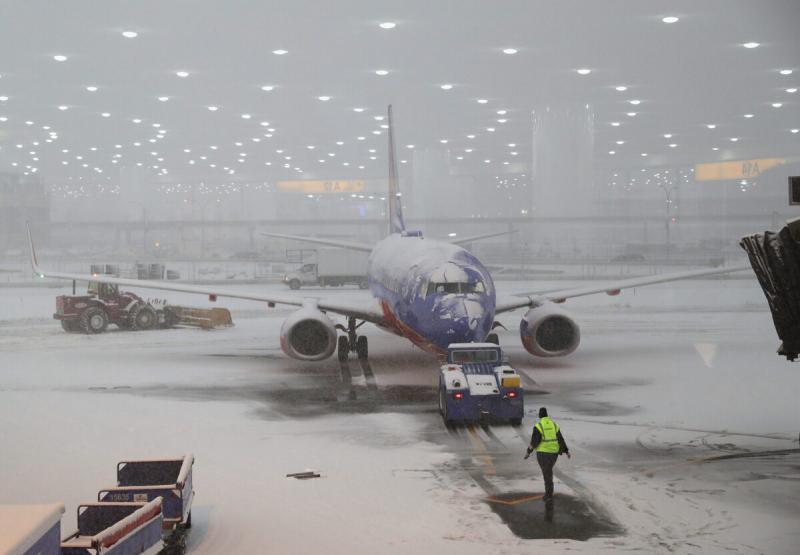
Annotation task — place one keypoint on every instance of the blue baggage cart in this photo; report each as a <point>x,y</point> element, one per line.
<point>144,480</point>
<point>116,529</point>
<point>30,529</point>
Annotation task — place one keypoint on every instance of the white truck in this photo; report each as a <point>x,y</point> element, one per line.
<point>331,267</point>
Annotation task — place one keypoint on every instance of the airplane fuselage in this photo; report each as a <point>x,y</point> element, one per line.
<point>431,292</point>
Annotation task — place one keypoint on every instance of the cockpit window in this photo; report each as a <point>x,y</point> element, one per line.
<point>455,287</point>
<point>478,355</point>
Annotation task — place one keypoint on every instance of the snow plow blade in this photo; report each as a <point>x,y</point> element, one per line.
<point>206,318</point>
<point>775,258</point>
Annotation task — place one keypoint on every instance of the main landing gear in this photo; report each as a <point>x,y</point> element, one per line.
<point>352,342</point>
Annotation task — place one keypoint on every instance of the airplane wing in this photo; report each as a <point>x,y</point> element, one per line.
<point>521,300</point>
<point>465,240</point>
<point>368,310</point>
<point>329,242</point>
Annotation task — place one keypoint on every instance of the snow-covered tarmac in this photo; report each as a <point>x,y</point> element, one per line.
<point>667,379</point>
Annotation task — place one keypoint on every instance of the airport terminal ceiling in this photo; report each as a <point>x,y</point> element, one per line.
<point>183,92</point>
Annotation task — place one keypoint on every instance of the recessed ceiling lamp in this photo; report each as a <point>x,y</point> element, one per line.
<point>470,136</point>
<point>359,110</point>
<point>267,88</point>
<point>615,124</point>
<point>631,114</point>
<point>777,104</point>
<point>106,115</point>
<point>620,142</point>
<point>280,52</point>
<point>635,102</point>
<point>786,72</point>
<point>91,88</point>
<point>340,143</point>
<point>482,101</point>
<point>130,34</point>
<point>381,72</point>
<point>324,98</point>
<point>60,58</point>
<point>246,116</point>
<point>711,125</point>
<point>672,145</point>
<point>163,98</point>
<point>670,19</point>
<point>611,152</point>
<point>510,51</point>
<point>794,131</point>
<point>748,116</point>
<point>387,25</point>
<point>621,88</point>
<point>583,71</point>
<point>501,112</point>
<point>264,124</point>
<point>643,154</point>
<point>446,87</point>
<point>734,139</point>
<point>136,120</point>
<point>182,73</point>
<point>667,135</point>
<point>751,44</point>
<point>213,108</point>
<point>63,108</point>
<point>791,90</point>
<point>443,141</point>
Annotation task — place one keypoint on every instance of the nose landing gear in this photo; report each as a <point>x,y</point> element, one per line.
<point>354,343</point>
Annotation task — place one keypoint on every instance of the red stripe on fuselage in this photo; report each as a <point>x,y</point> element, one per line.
<point>401,328</point>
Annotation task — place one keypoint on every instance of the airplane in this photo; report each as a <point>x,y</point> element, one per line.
<point>428,291</point>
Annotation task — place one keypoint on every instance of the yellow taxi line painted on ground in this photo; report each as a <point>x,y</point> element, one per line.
<point>485,457</point>
<point>515,501</point>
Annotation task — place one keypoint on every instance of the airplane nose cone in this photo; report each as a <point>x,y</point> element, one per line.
<point>471,321</point>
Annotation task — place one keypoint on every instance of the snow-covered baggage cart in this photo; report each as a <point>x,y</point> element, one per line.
<point>476,384</point>
<point>30,529</point>
<point>116,529</point>
<point>144,480</point>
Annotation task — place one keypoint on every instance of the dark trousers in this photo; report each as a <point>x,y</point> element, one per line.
<point>546,462</point>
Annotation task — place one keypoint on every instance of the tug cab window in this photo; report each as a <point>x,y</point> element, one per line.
<point>478,355</point>
<point>455,287</point>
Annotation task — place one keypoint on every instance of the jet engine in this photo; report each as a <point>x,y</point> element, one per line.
<point>308,334</point>
<point>548,331</point>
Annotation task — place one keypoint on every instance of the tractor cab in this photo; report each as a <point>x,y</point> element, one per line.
<point>103,290</point>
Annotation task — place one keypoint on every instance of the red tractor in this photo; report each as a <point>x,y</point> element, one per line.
<point>105,304</point>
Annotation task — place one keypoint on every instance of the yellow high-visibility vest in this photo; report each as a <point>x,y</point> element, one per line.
<point>549,431</point>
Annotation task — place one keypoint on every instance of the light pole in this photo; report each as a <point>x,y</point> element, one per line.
<point>668,188</point>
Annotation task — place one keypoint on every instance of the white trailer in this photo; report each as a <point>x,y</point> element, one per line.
<point>331,267</point>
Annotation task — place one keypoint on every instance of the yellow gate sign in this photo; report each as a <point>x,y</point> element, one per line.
<point>322,187</point>
<point>735,169</point>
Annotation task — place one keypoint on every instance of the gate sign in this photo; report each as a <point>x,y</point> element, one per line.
<point>322,187</point>
<point>735,169</point>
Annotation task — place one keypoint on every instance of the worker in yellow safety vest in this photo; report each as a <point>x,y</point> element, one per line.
<point>548,443</point>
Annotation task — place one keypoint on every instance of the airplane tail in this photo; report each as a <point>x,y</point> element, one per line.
<point>395,214</point>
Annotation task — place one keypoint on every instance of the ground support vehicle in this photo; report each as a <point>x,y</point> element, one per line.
<point>332,267</point>
<point>30,529</point>
<point>105,304</point>
<point>477,384</point>
<point>147,479</point>
<point>117,529</point>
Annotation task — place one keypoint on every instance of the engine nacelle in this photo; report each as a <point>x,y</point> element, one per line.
<point>308,334</point>
<point>548,331</point>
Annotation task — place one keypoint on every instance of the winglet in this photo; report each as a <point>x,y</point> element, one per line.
<point>34,262</point>
<point>396,223</point>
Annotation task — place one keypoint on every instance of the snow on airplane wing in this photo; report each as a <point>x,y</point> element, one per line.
<point>329,242</point>
<point>521,300</point>
<point>368,310</point>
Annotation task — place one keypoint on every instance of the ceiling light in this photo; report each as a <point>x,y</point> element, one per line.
<point>106,115</point>
<point>751,44</point>
<point>130,34</point>
<point>777,104</point>
<point>213,108</point>
<point>501,112</point>
<point>734,139</point>
<point>246,116</point>
<point>631,114</point>
<point>359,110</point>
<point>490,129</point>
<point>643,154</point>
<point>615,124</point>
<point>63,108</point>
<point>91,88</point>
<point>360,138</point>
<point>280,52</point>
<point>748,116</point>
<point>340,143</point>
<point>381,72</point>
<point>482,101</point>
<point>667,135</point>
<point>510,50</point>
<point>60,58</point>
<point>635,102</point>
<point>387,25</point>
<point>409,146</point>
<point>264,124</point>
<point>136,120</point>
<point>584,71</point>
<point>443,141</point>
<point>670,19</point>
<point>324,98</point>
<point>621,88</point>
<point>267,88</point>
<point>791,90</point>
<point>163,98</point>
<point>711,125</point>
<point>446,87</point>
<point>794,130</point>
<point>620,142</point>
<point>672,145</point>
<point>611,152</point>
<point>470,136</point>
<point>786,72</point>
